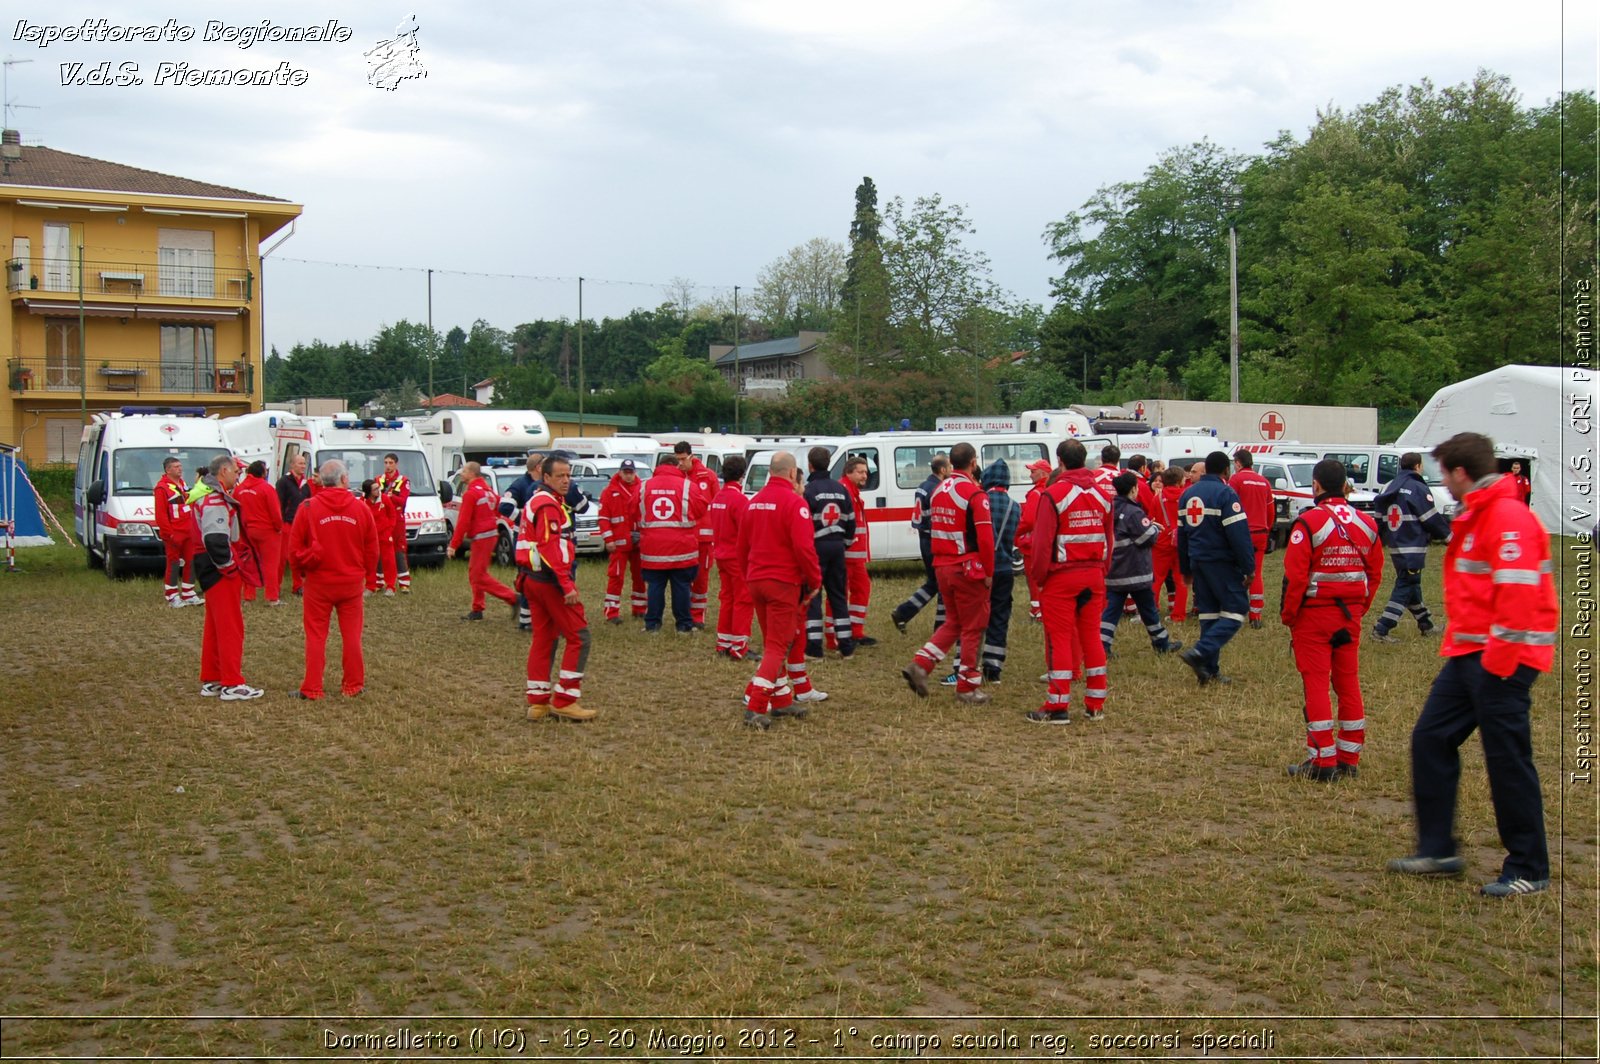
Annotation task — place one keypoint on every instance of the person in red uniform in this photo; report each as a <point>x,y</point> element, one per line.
<point>263,523</point>
<point>383,528</point>
<point>1164,556</point>
<point>398,490</point>
<point>735,608</point>
<point>705,485</point>
<point>1500,600</point>
<point>334,541</point>
<point>1524,485</point>
<point>963,559</point>
<point>478,523</point>
<point>223,564</point>
<point>1038,473</point>
<point>1260,512</point>
<point>668,519</point>
<point>173,523</point>
<point>1069,558</point>
<point>619,507</point>
<point>293,489</point>
<point>778,553</point>
<point>545,553</point>
<point>858,585</point>
<point>1109,467</point>
<point>1146,497</point>
<point>1332,570</point>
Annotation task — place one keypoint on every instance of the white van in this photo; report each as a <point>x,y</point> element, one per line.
<point>361,443</point>
<point>759,460</point>
<point>641,448</point>
<point>452,438</point>
<point>120,458</point>
<point>710,447</point>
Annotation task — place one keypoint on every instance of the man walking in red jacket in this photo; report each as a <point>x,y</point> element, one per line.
<point>334,541</point>
<point>478,523</point>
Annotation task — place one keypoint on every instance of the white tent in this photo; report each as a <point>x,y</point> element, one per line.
<point>1546,408</point>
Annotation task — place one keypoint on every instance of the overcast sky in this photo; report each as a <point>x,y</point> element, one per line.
<point>637,142</point>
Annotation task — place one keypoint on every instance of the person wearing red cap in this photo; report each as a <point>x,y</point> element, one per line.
<point>334,541</point>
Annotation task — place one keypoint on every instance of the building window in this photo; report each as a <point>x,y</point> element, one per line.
<point>61,437</point>
<point>61,244</point>
<point>188,358</point>
<point>187,263</point>
<point>61,365</point>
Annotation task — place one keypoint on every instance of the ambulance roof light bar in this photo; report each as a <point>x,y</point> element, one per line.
<point>164,411</point>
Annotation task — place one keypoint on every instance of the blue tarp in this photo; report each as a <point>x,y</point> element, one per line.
<point>18,504</point>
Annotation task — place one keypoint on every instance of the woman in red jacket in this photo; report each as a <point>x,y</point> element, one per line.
<point>383,517</point>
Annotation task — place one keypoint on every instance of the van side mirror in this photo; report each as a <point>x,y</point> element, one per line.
<point>446,492</point>
<point>96,495</point>
<point>1281,484</point>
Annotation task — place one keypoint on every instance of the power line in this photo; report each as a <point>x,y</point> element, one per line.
<point>573,280</point>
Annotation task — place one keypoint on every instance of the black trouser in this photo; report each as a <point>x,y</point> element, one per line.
<point>1407,595</point>
<point>1466,697</point>
<point>994,637</point>
<point>835,585</point>
<point>1144,601</point>
<point>928,591</point>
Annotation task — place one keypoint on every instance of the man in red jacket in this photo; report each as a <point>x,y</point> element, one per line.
<point>963,560</point>
<point>1500,598</point>
<point>172,523</point>
<point>1332,569</point>
<point>778,552</point>
<point>263,523</point>
<point>545,553</point>
<point>224,565</point>
<point>478,523</point>
<point>858,553</point>
<point>1255,495</point>
<point>1039,474</point>
<point>397,489</point>
<point>1069,558</point>
<point>619,507</point>
<point>335,543</point>
<point>734,605</point>
<point>705,483</point>
<point>669,513</point>
<point>1164,556</point>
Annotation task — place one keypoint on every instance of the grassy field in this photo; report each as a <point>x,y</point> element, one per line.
<point>888,869</point>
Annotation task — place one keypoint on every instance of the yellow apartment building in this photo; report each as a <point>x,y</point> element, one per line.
<point>124,287</point>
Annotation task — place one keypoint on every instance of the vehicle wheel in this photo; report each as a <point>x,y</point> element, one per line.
<point>112,569</point>
<point>505,551</point>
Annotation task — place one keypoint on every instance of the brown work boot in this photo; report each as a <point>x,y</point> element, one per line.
<point>975,697</point>
<point>538,710</point>
<point>574,712</point>
<point>916,678</point>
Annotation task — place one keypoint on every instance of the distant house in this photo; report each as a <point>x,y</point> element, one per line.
<point>770,366</point>
<point>483,391</point>
<point>449,400</point>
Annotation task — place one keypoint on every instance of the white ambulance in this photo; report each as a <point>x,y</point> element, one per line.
<point>710,447</point>
<point>637,446</point>
<point>452,438</point>
<point>361,443</point>
<point>252,437</point>
<point>120,458</point>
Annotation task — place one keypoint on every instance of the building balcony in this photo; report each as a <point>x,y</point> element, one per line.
<point>127,289</point>
<point>122,378</point>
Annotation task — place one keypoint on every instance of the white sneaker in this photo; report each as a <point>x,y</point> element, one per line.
<point>275,602</point>
<point>388,592</point>
<point>241,693</point>
<point>210,690</point>
<point>812,695</point>
<point>194,600</point>
<point>176,603</point>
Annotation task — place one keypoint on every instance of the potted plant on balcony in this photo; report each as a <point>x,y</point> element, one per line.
<point>21,378</point>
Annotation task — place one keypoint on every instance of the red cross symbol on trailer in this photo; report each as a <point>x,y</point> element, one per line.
<point>831,514</point>
<point>169,428</point>
<point>1138,411</point>
<point>370,437</point>
<point>1194,511</point>
<point>503,429</point>
<point>1272,426</point>
<point>1394,518</point>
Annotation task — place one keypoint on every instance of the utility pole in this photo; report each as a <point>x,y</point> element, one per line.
<point>83,349</point>
<point>580,356</point>
<point>738,379</point>
<point>1233,297</point>
<point>430,339</point>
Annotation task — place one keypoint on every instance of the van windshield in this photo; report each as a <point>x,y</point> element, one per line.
<point>1430,471</point>
<point>1300,474</point>
<point>366,463</point>
<point>135,470</point>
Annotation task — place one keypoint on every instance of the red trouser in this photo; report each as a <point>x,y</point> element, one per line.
<point>320,601</point>
<point>1258,597</point>
<point>859,591</point>
<point>402,564</point>
<point>735,608</point>
<point>384,563</point>
<point>1165,560</point>
<point>966,615</point>
<point>1072,601</point>
<point>782,673</point>
<point>478,575</point>
<point>1319,662</point>
<point>553,619</point>
<point>176,545</point>
<point>620,562</point>
<point>222,637</point>
<point>269,554</point>
<point>698,599</point>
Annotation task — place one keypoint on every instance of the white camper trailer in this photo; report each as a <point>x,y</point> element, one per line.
<point>1543,410</point>
<point>452,438</point>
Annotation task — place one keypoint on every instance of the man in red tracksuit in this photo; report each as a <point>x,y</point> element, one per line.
<point>263,523</point>
<point>1038,473</point>
<point>963,560</point>
<point>1164,556</point>
<point>1255,495</point>
<point>223,564</point>
<point>397,489</point>
<point>778,552</point>
<point>334,541</point>
<point>173,521</point>
<point>1069,559</point>
<point>619,507</point>
<point>734,605</point>
<point>705,484</point>
<point>545,553</point>
<point>478,523</point>
<point>858,553</point>
<point>668,519</point>
<point>1332,570</point>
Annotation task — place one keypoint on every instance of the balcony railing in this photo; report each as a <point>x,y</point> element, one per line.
<point>149,282</point>
<point>130,376</point>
